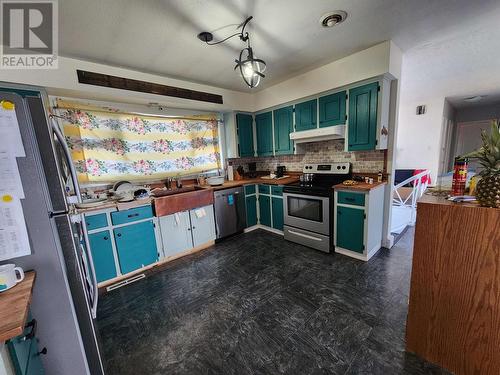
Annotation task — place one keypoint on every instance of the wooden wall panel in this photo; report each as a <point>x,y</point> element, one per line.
<point>454,311</point>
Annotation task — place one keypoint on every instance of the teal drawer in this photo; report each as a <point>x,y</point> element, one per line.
<point>96,221</point>
<point>19,349</point>
<point>249,189</point>
<point>264,189</point>
<point>134,214</point>
<point>277,190</point>
<point>356,199</point>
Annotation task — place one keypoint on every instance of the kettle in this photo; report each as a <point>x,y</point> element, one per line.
<point>280,171</point>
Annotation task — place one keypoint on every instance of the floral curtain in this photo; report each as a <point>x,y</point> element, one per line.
<point>110,146</point>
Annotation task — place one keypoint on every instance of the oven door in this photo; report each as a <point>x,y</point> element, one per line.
<point>307,212</point>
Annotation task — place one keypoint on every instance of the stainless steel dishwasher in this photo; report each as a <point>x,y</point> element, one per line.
<point>230,211</point>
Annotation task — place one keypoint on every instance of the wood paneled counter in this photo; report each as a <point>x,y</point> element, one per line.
<point>454,307</point>
<point>14,306</point>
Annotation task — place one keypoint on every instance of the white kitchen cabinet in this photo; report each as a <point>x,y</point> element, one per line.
<point>202,225</point>
<point>184,230</point>
<point>175,232</point>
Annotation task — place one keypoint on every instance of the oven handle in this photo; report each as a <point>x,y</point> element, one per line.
<point>304,235</point>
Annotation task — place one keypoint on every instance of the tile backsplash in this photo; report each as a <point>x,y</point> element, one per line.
<point>318,152</point>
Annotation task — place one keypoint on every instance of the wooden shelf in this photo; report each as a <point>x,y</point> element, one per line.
<point>14,306</point>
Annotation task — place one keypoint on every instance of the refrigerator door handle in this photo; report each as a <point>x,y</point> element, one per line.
<point>86,248</point>
<point>67,155</point>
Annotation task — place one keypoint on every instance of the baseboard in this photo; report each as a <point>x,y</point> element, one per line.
<point>132,276</point>
<point>260,226</point>
<point>356,255</point>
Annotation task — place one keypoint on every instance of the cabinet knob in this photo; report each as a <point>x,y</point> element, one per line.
<point>43,351</point>
<point>118,234</point>
<point>189,229</point>
<point>194,227</point>
<point>105,238</point>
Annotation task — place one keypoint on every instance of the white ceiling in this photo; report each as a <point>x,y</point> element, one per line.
<point>159,36</point>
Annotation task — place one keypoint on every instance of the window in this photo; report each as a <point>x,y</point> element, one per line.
<point>110,146</point>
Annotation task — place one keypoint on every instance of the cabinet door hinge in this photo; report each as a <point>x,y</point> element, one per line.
<point>293,109</point>
<point>346,96</point>
<point>364,216</point>
<point>363,247</point>
<point>376,142</point>
<point>239,153</point>
<point>346,117</point>
<point>378,88</point>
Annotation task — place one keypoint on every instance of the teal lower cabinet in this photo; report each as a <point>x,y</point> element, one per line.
<point>265,210</point>
<point>184,230</point>
<point>136,246</point>
<point>358,218</point>
<point>102,255</point>
<point>350,228</point>
<point>251,206</point>
<point>277,210</point>
<point>24,352</point>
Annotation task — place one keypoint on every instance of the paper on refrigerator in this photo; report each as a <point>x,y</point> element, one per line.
<point>10,134</point>
<point>10,180</point>
<point>14,240</point>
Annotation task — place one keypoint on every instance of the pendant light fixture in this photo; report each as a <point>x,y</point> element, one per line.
<point>251,68</point>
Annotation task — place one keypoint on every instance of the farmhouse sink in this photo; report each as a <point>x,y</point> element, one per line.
<point>194,197</point>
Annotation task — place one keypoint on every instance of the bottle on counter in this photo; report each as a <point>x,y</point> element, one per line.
<point>459,177</point>
<point>379,176</point>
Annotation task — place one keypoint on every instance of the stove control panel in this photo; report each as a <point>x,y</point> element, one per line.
<point>328,168</point>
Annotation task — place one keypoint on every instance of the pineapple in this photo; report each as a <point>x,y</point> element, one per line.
<point>488,187</point>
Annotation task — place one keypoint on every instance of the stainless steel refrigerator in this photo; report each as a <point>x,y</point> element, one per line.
<point>65,294</point>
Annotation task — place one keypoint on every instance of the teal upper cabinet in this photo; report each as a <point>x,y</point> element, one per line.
<point>362,130</point>
<point>350,228</point>
<point>264,127</point>
<point>332,109</point>
<point>305,115</point>
<point>102,255</point>
<point>245,134</point>
<point>283,126</point>
<point>136,246</point>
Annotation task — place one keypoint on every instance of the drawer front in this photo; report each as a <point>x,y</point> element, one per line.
<point>356,199</point>
<point>264,189</point>
<point>249,189</point>
<point>96,221</point>
<point>134,214</point>
<point>277,190</point>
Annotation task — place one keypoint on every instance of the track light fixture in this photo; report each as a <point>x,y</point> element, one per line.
<point>251,68</point>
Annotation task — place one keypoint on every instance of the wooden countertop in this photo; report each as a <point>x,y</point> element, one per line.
<point>360,186</point>
<point>436,199</point>
<point>14,306</point>
<point>258,180</point>
<point>227,185</point>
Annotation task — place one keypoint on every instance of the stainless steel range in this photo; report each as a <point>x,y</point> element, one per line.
<point>308,205</point>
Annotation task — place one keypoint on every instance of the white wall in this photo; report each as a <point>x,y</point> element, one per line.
<point>374,61</point>
<point>64,82</point>
<point>462,64</point>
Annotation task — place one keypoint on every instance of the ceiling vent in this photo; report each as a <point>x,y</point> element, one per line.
<point>331,19</point>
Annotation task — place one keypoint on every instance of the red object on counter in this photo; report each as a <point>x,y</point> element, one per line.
<point>459,177</point>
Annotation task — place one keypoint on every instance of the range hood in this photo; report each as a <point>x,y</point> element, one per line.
<point>320,134</point>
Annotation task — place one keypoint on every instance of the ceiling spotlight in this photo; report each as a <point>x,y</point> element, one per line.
<point>331,19</point>
<point>251,68</point>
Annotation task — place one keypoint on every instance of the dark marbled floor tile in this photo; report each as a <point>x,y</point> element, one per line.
<point>300,354</point>
<point>257,304</point>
